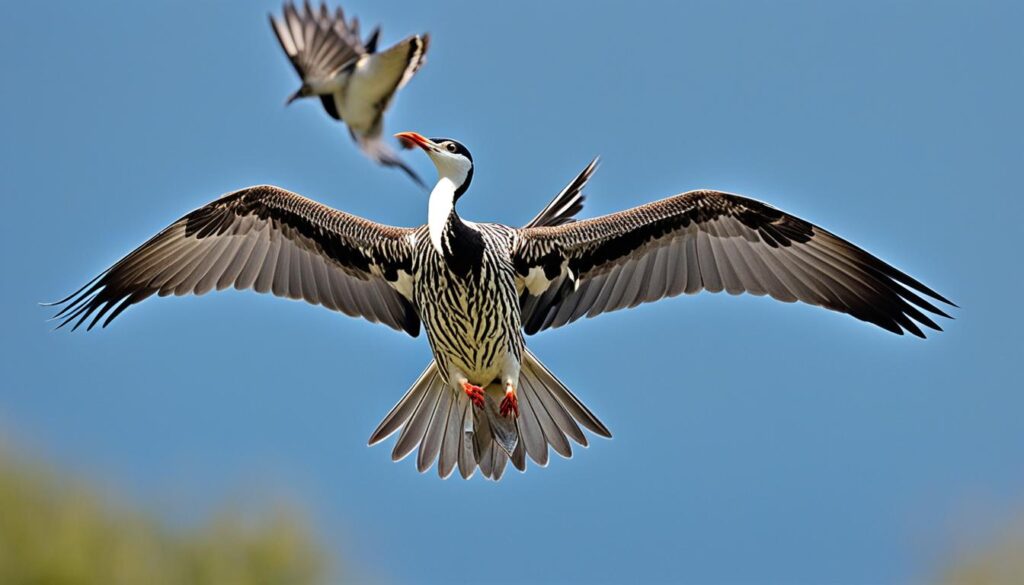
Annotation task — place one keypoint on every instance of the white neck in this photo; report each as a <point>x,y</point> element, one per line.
<point>442,201</point>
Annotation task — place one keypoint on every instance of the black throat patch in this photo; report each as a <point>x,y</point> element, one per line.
<point>462,248</point>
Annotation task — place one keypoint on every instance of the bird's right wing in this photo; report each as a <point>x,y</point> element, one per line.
<point>319,44</point>
<point>269,240</point>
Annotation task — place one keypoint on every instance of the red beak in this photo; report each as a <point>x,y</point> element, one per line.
<point>410,139</point>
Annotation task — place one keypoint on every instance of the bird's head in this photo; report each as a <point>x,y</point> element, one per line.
<point>451,158</point>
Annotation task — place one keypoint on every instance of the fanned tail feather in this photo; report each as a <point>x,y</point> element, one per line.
<point>446,428</point>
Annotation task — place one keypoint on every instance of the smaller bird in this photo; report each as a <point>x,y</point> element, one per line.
<point>354,82</point>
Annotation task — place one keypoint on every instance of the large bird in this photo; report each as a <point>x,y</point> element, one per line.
<point>478,287</point>
<point>354,82</point>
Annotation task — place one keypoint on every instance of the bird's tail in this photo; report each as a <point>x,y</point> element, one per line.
<point>304,91</point>
<point>379,152</point>
<point>446,427</point>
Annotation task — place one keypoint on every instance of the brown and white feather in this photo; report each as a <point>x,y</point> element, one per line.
<point>714,241</point>
<point>269,240</point>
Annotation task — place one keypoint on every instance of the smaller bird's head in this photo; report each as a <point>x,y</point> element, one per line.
<point>451,158</point>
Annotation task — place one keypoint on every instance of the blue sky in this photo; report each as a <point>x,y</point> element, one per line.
<point>755,442</point>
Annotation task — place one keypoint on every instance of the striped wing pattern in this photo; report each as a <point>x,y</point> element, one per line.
<point>319,44</point>
<point>266,239</point>
<point>714,241</point>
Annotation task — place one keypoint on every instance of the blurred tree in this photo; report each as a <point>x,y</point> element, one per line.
<point>1001,562</point>
<point>55,530</point>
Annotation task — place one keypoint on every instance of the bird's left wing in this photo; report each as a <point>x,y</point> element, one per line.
<point>318,43</point>
<point>567,203</point>
<point>714,241</point>
<point>270,240</point>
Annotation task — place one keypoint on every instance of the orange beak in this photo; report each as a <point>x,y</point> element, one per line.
<point>410,139</point>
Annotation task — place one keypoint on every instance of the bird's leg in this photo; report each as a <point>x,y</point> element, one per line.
<point>510,404</point>
<point>475,393</point>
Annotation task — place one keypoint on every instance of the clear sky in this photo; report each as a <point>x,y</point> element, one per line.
<point>755,442</point>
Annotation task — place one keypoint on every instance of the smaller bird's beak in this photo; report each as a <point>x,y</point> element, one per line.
<point>411,139</point>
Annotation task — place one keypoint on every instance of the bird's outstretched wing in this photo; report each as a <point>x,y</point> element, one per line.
<point>714,241</point>
<point>567,203</point>
<point>318,43</point>
<point>269,240</point>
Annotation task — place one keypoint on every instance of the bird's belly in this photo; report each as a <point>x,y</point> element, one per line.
<point>359,114</point>
<point>366,95</point>
<point>480,357</point>
<point>473,329</point>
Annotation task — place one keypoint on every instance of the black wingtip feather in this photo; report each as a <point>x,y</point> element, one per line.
<point>76,293</point>
<point>371,41</point>
<point>120,309</point>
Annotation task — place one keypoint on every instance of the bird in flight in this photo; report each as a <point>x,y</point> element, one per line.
<point>355,82</point>
<point>477,288</point>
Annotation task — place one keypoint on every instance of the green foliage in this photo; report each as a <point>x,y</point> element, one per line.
<point>57,531</point>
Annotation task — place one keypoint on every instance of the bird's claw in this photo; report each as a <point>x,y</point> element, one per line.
<point>475,393</point>
<point>510,404</point>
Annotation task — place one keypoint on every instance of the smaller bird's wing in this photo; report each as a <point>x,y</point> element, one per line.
<point>373,84</point>
<point>269,240</point>
<point>318,43</point>
<point>567,203</point>
<point>377,78</point>
<point>371,40</point>
<point>714,241</point>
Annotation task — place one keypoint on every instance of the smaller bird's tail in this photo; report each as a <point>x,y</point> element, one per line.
<point>446,427</point>
<point>376,150</point>
<point>304,91</point>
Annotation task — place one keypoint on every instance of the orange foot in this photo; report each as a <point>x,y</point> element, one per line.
<point>475,393</point>
<point>510,405</point>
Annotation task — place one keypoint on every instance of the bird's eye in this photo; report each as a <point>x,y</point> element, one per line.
<point>450,147</point>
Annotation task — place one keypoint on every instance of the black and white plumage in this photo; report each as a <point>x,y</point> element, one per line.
<point>476,289</point>
<point>567,203</point>
<point>354,82</point>
<point>269,240</point>
<point>714,241</point>
<point>273,241</point>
